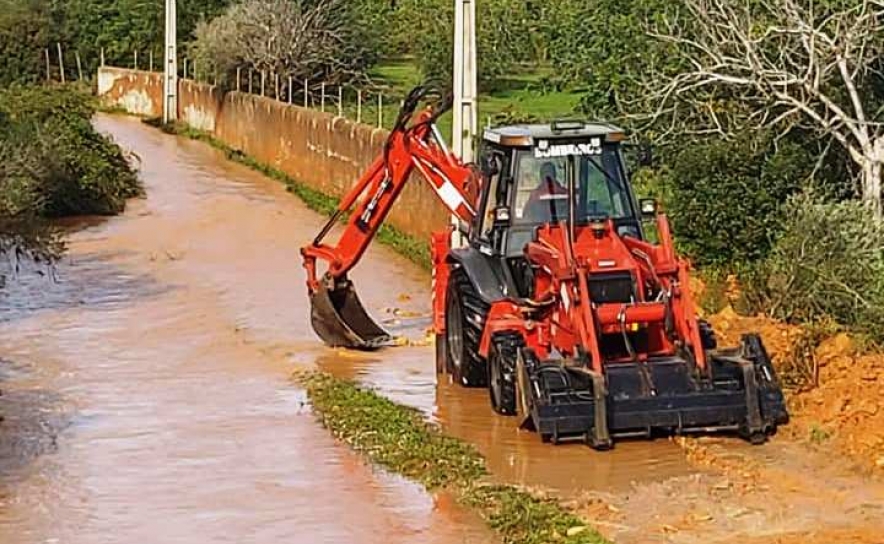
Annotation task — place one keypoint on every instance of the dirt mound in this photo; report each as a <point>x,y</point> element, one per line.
<point>846,410</point>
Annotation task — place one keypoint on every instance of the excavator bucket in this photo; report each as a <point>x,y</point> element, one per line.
<point>339,318</point>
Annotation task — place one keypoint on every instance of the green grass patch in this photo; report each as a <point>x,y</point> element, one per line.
<point>399,439</point>
<point>521,97</point>
<point>413,248</point>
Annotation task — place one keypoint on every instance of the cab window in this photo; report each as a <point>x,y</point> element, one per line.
<point>542,187</point>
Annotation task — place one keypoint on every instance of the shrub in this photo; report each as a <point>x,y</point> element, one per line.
<point>827,265</point>
<point>725,198</point>
<point>54,163</point>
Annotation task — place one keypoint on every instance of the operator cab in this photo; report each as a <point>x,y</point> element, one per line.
<point>531,170</point>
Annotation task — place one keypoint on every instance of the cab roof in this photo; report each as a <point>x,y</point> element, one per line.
<point>527,135</point>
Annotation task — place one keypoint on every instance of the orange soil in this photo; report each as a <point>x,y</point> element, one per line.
<point>846,410</point>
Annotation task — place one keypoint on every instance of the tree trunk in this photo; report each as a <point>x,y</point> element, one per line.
<point>872,168</point>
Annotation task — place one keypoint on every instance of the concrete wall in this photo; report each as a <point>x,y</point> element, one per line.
<point>321,150</point>
<point>139,93</point>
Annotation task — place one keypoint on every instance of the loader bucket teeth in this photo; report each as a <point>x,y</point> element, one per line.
<point>340,320</point>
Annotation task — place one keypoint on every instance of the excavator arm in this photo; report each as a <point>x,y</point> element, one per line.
<point>413,145</point>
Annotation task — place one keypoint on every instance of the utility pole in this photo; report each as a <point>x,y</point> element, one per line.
<point>463,135</point>
<point>170,102</point>
<point>465,80</point>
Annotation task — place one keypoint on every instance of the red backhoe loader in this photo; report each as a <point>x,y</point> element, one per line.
<point>560,304</point>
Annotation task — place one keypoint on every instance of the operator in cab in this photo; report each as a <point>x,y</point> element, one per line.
<point>548,201</point>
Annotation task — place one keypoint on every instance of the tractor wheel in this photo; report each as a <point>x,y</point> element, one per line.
<point>502,379</point>
<point>465,315</point>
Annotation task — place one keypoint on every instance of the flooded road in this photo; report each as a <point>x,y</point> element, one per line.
<point>147,394</point>
<point>147,398</point>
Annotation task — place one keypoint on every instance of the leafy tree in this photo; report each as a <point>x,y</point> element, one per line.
<point>503,37</point>
<point>121,27</point>
<point>602,47</point>
<point>788,64</point>
<point>26,29</point>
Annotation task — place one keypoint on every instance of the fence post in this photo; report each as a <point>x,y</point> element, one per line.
<point>79,66</point>
<point>196,75</point>
<point>251,77</point>
<point>358,105</point>
<point>48,67</point>
<point>322,98</point>
<point>340,100</point>
<point>185,67</point>
<point>306,93</point>
<point>380,110</point>
<point>60,61</point>
<point>263,81</point>
<point>136,59</point>
<point>238,78</point>
<point>150,61</point>
<point>291,91</point>
<point>102,56</point>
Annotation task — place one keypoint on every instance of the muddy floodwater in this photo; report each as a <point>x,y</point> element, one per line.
<point>146,389</point>
<point>146,397</point>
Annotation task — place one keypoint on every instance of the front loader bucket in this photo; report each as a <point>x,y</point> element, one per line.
<point>661,394</point>
<point>339,318</point>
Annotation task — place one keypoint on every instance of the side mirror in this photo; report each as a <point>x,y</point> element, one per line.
<point>490,165</point>
<point>649,208</point>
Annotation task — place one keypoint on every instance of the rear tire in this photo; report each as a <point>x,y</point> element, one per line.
<point>502,379</point>
<point>465,316</point>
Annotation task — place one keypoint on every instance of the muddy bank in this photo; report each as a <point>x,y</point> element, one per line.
<point>846,410</point>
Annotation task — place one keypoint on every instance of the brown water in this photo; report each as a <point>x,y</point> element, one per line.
<point>146,391</point>
<point>513,455</point>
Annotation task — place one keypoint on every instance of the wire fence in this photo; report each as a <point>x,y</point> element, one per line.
<point>368,105</point>
<point>371,105</point>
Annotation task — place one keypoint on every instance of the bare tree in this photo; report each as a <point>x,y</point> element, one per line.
<point>305,40</point>
<point>778,64</point>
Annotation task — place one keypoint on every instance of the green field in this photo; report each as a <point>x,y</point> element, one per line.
<point>519,97</point>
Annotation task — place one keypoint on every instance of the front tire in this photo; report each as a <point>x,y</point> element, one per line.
<point>502,379</point>
<point>465,315</point>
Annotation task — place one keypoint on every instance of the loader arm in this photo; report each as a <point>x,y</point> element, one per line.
<point>413,145</point>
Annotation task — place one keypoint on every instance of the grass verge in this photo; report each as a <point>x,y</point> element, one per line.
<point>399,439</point>
<point>414,249</point>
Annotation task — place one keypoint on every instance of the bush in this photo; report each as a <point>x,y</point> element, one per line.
<point>54,163</point>
<point>725,198</point>
<point>826,266</point>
